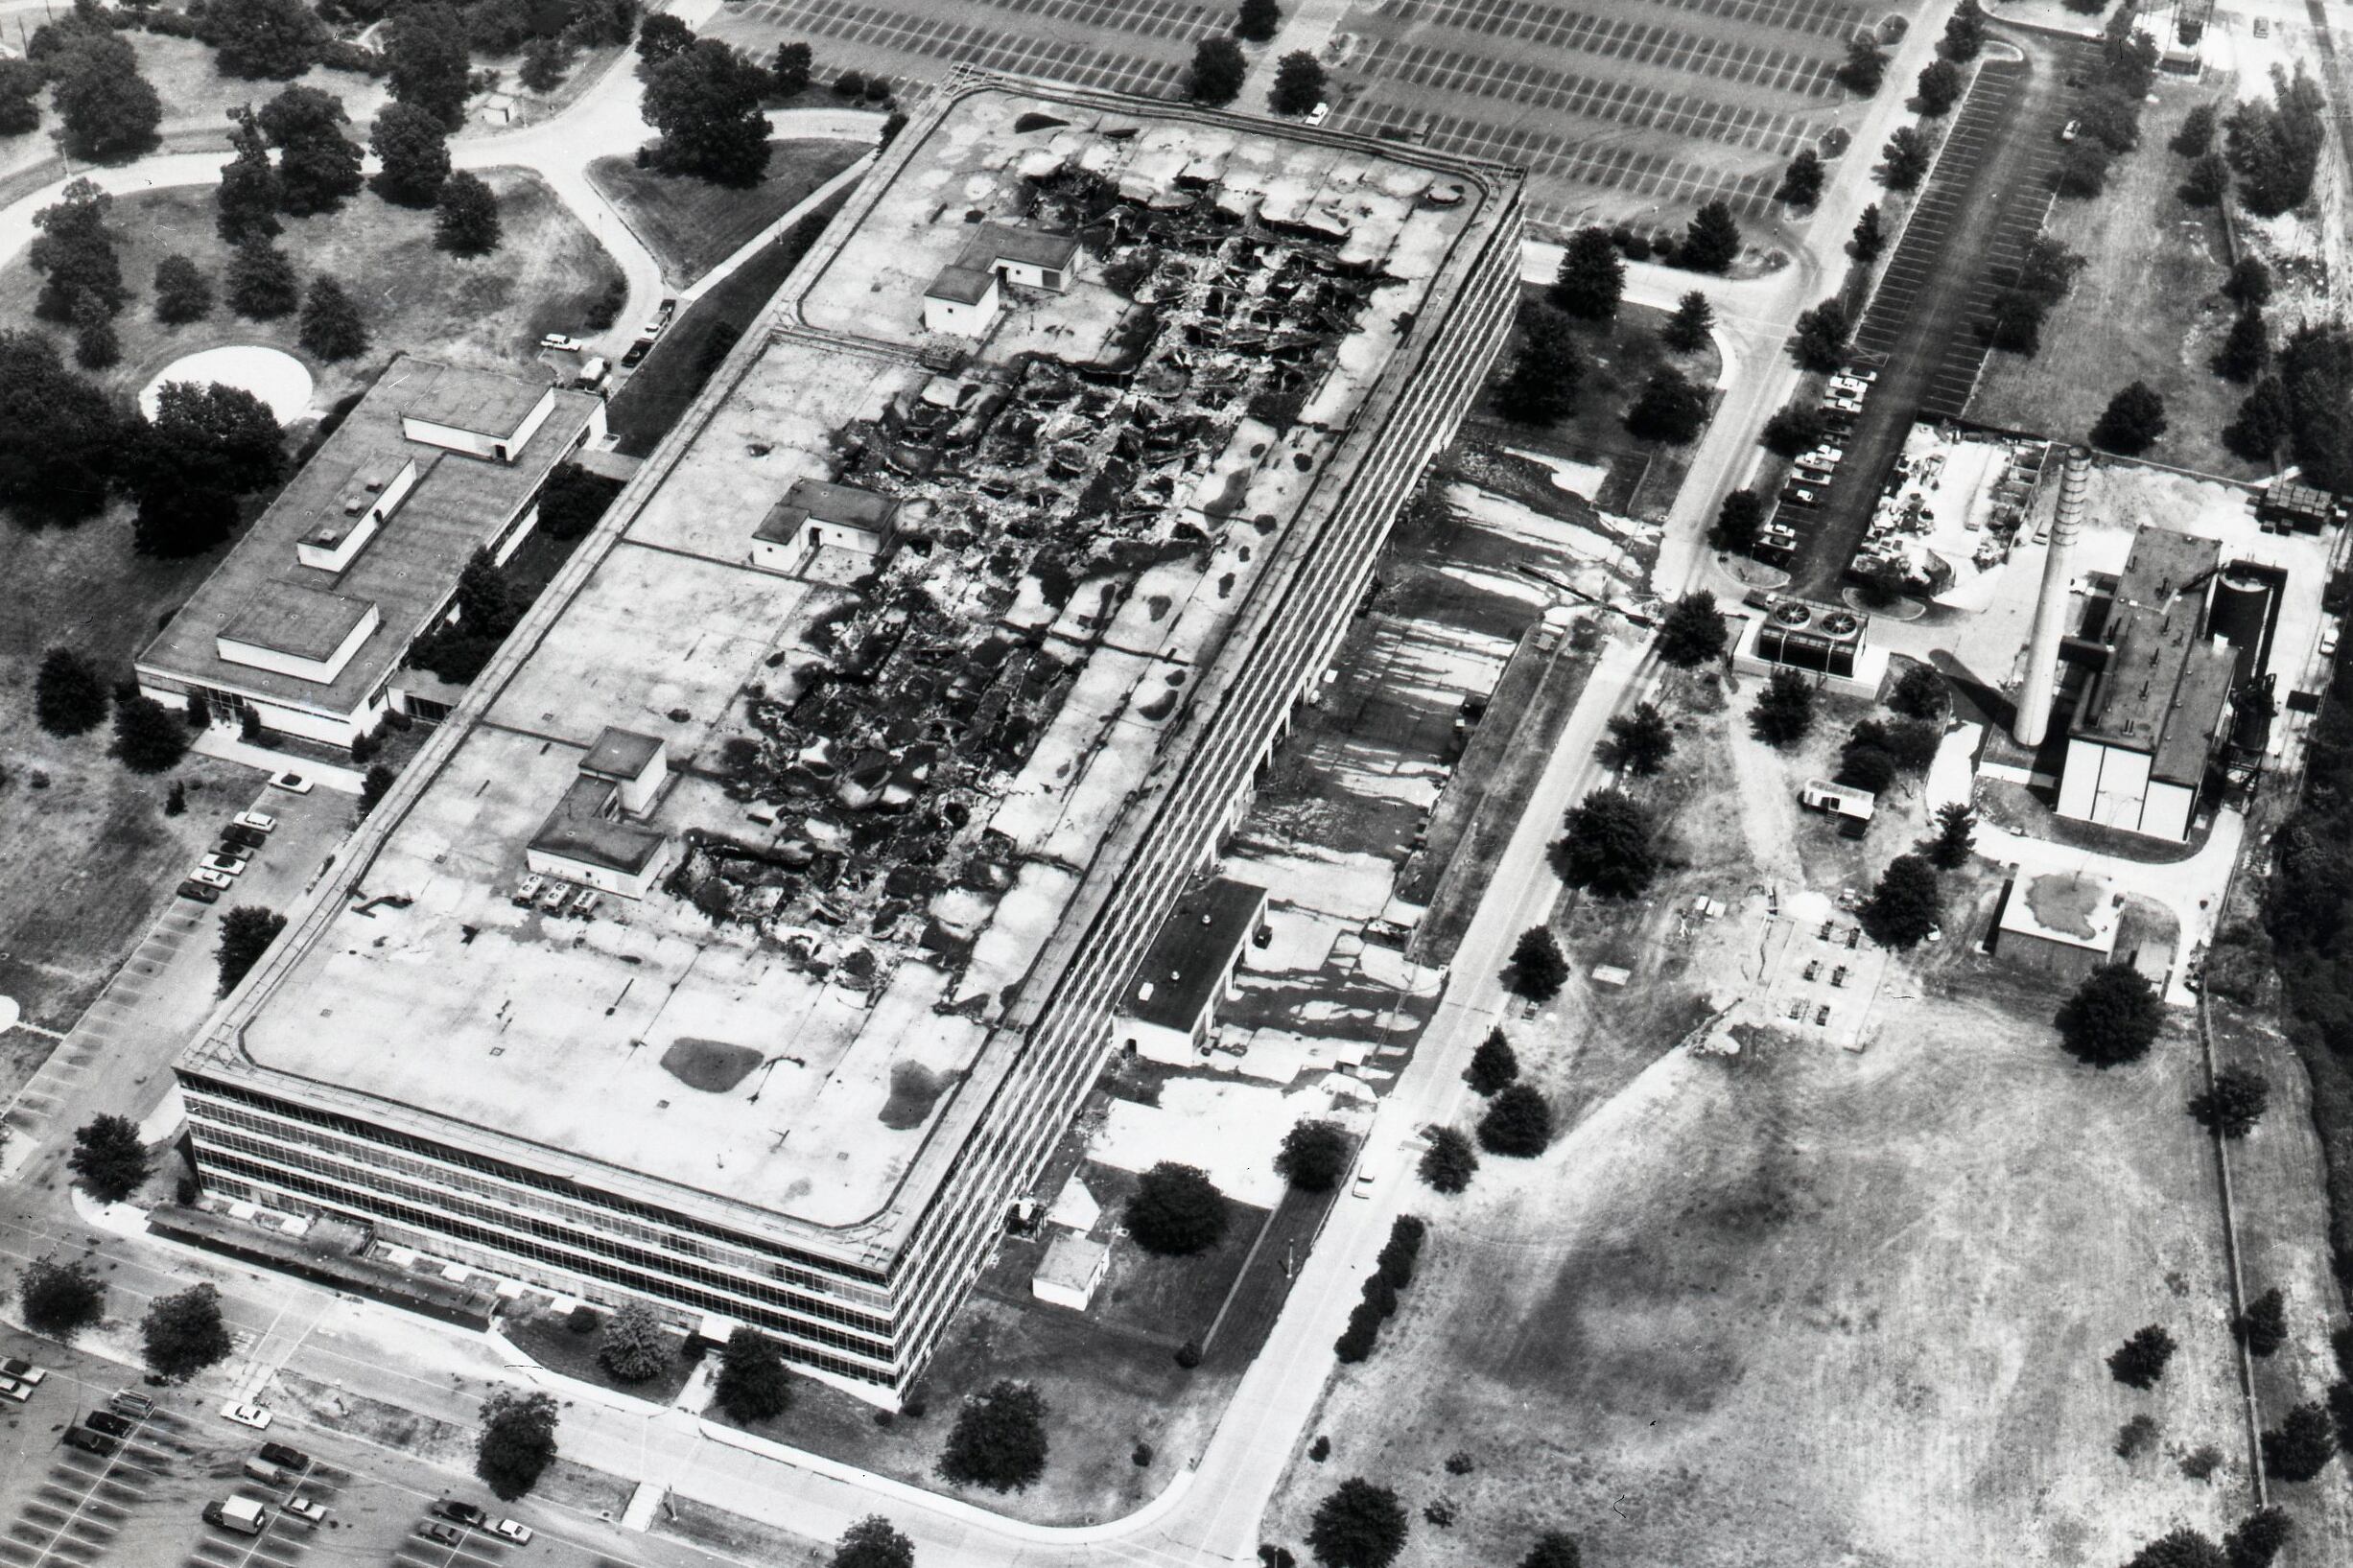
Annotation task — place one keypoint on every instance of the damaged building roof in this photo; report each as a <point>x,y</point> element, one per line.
<point>2166,684</point>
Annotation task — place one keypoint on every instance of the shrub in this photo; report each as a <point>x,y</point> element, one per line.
<point>1538,967</point>
<point>1784,713</point>
<point>1450,1162</point>
<point>2263,1328</point>
<point>1358,1526</point>
<point>1693,633</point>
<point>2136,1437</point>
<point>2235,1103</point>
<point>2300,1447</point>
<point>1902,909</point>
<point>1608,847</point>
<point>583,1319</point>
<point>634,1347</point>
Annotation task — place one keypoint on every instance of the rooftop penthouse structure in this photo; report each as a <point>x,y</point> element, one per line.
<point>895,702</point>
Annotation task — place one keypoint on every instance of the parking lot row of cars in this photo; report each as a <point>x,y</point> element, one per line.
<point>245,836</point>
<point>1814,472</point>
<point>596,368</point>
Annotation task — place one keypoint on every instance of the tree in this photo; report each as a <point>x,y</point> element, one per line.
<point>2265,419</point>
<point>21,84</point>
<point>873,1543</point>
<point>1794,428</point>
<point>2235,1103</point>
<point>1358,1526</point>
<point>1257,20</point>
<point>374,786</point>
<point>2208,177</point>
<point>517,1442</point>
<point>61,436</point>
<point>1590,276</point>
<point>1902,909</point>
<point>705,102</point>
<point>1314,1155</point>
<point>1518,1123</point>
<point>147,739</point>
<point>1692,631</point>
<point>2300,1447</point>
<point>1801,181</point>
<point>2263,1328</point>
<point>1711,243</point>
<point>1918,693</point>
<point>2178,1549</point>
<point>2248,282</point>
<point>1955,835</point>
<point>1686,331</point>
<point>1785,709</point>
<point>2140,1361</point>
<point>1939,87</point>
<point>2259,1538</point>
<point>59,1299</point>
<point>2315,393</point>
<point>1299,83</point>
<point>205,436</point>
<point>109,110</point>
<point>1176,1212</point>
<point>2275,148</point>
<point>1964,32</point>
<point>331,325</point>
<point>2082,168</point>
<point>261,281</point>
<point>1909,744</point>
<point>109,1158</point>
<point>1494,1064</point>
<point>573,500</point>
<point>183,1334</point>
<point>427,65</point>
<point>1867,767</point>
<point>68,697</point>
<point>1643,739</point>
<point>1671,408</point>
<point>319,166</point>
<point>2132,421</point>
<point>183,294</point>
<point>2195,138</point>
<point>1542,385</point>
<point>2247,349</point>
<point>1904,160</point>
<point>412,146</point>
<point>1738,519</point>
<point>1553,1549</point>
<point>2113,1017</point>
<point>466,215</point>
<point>633,1346</point>
<point>546,62</point>
<point>74,255</point>
<point>1218,70</point>
<point>1869,236</point>
<point>1607,849</point>
<point>245,202</point>
<point>1865,66</point>
<point>245,934</point>
<point>791,69</point>
<point>999,1441</point>
<point>752,1384</point>
<point>1820,341</point>
<point>1450,1162</point>
<point>278,39</point>
<point>1538,968</point>
<point>661,37</point>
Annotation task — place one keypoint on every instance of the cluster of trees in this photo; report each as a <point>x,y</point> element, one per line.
<point>1876,752</point>
<point>2109,112</point>
<point>2304,403</point>
<point>1610,847</point>
<point>107,111</point>
<point>1176,1212</point>
<point>2246,352</point>
<point>2274,147</point>
<point>488,607</point>
<point>998,1440</point>
<point>1219,66</point>
<point>1392,1271</point>
<point>2045,274</point>
<point>81,279</point>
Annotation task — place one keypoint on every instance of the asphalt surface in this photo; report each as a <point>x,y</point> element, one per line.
<point>1923,330</point>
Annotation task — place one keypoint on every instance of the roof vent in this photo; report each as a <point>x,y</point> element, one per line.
<point>355,506</point>
<point>1144,992</point>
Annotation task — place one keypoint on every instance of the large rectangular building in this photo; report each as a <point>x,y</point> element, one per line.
<point>878,727</point>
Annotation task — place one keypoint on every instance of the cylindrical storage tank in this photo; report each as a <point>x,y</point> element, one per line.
<point>2241,608</point>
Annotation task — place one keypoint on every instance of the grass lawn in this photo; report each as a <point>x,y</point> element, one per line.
<point>488,312</point>
<point>546,1338</point>
<point>1620,357</point>
<point>692,225</point>
<point>2146,308</point>
<point>108,857</point>
<point>196,96</point>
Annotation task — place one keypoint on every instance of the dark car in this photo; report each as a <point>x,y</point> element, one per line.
<point>433,1530</point>
<point>242,836</point>
<point>108,1422</point>
<point>636,352</point>
<point>200,892</point>
<point>88,1442</point>
<point>292,1459</point>
<point>464,1513</point>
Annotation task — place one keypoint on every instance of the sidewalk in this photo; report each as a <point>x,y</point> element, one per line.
<point>215,741</point>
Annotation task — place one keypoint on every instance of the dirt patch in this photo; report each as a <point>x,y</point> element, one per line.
<point>733,1535</point>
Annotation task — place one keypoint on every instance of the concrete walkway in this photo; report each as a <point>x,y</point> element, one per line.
<point>215,741</point>
<point>757,243</point>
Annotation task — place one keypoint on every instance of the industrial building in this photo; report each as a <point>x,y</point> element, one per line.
<point>306,624</point>
<point>874,829</point>
<point>1827,643</point>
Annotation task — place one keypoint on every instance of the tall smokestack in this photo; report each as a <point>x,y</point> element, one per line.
<point>2051,609</point>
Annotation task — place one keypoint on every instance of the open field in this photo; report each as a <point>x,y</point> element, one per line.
<point>1801,1306</point>
<point>108,856</point>
<point>198,97</point>
<point>2146,308</point>
<point>692,225</point>
<point>488,312</point>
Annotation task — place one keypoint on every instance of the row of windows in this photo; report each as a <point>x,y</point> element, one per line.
<point>872,1336</point>
<point>798,1340</point>
<point>663,1219</point>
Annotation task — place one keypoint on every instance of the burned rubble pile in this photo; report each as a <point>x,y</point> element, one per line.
<point>880,756</point>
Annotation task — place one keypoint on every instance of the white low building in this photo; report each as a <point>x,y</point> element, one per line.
<point>964,297</point>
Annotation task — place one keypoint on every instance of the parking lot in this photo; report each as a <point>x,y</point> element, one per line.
<point>1145,52</point>
<point>84,1505</point>
<point>1651,43</point>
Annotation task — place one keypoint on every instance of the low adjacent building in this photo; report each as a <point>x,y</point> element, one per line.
<point>307,622</point>
<point>1173,1003</point>
<point>2060,923</point>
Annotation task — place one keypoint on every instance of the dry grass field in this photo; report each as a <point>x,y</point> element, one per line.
<point>692,225</point>
<point>2145,308</point>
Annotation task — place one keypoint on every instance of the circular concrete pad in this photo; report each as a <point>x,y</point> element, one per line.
<point>273,375</point>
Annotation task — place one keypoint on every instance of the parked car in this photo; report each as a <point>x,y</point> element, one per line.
<point>2070,130</point>
<point>1841,405</point>
<point>1362,1186</point>
<point>210,879</point>
<point>200,892</point>
<point>562,344</point>
<point>514,1530</point>
<point>10,1388</point>
<point>2328,641</point>
<point>111,1423</point>
<point>1317,115</point>
<point>1862,373</point>
<point>464,1513</point>
<point>260,822</point>
<point>630,356</point>
<point>441,1534</point>
<point>303,1508</point>
<point>247,839</point>
<point>131,1403</point>
<point>23,1371</point>
<point>88,1442</point>
<point>231,848</point>
<point>223,864</point>
<point>294,784</point>
<point>592,374</point>
<point>267,1473</point>
<point>277,1453</point>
